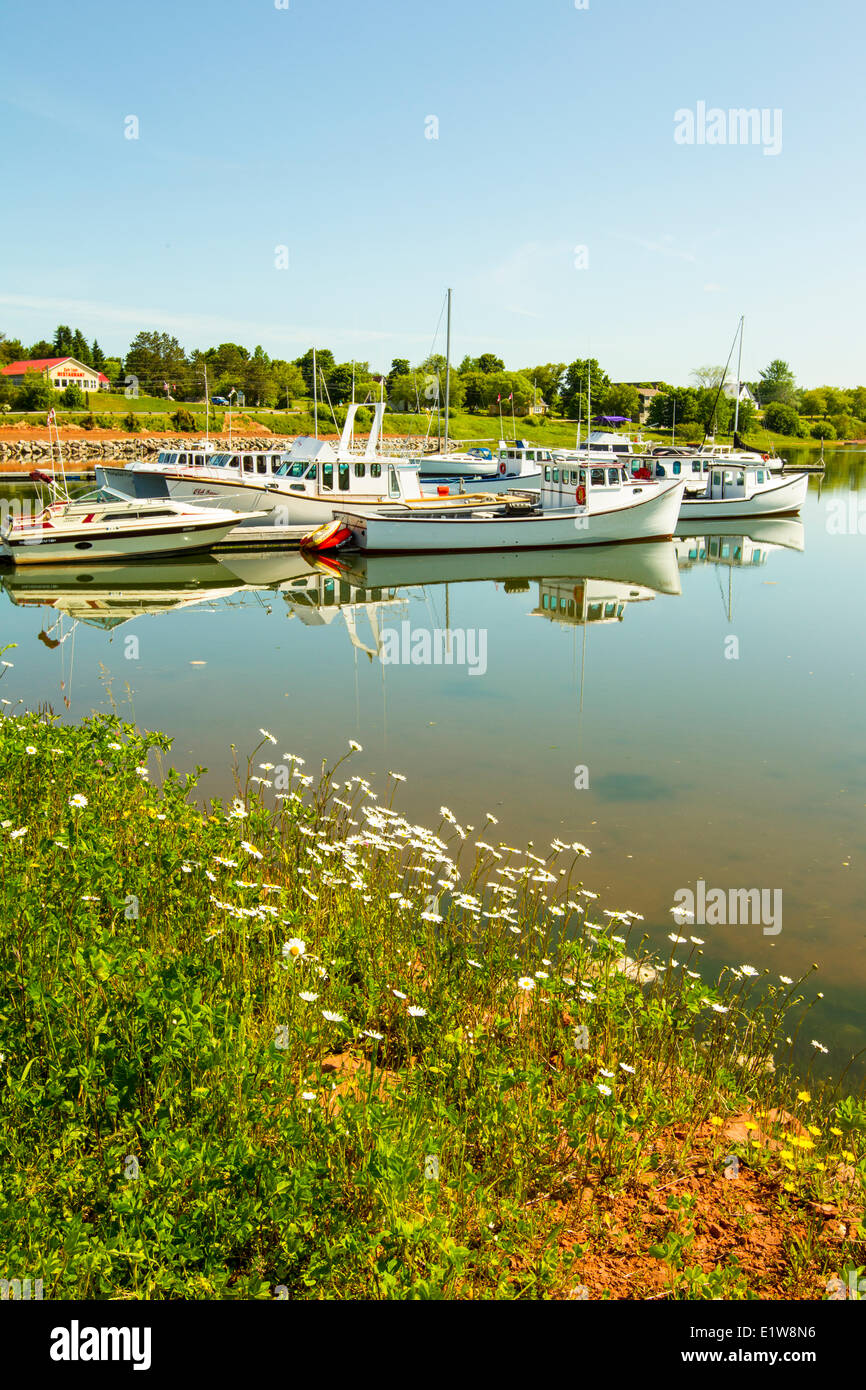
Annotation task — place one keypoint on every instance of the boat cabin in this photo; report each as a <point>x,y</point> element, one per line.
<point>361,478</point>
<point>740,480</point>
<point>522,451</point>
<point>258,464</point>
<point>565,484</point>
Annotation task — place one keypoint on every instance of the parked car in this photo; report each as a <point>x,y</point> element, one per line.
<point>218,400</point>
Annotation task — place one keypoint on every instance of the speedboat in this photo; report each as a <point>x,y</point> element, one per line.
<point>90,528</point>
<point>745,489</point>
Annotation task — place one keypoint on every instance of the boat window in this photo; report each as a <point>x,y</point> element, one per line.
<point>593,612</point>
<point>610,610</point>
<point>530,455</point>
<point>581,477</point>
<point>613,476</point>
<point>343,477</point>
<point>375,470</point>
<point>327,477</point>
<point>660,472</point>
<point>760,475</point>
<point>677,469</point>
<point>248,465</point>
<point>310,473</point>
<point>547,475</point>
<point>596,477</point>
<point>556,475</point>
<point>261,465</point>
<point>393,482</point>
<point>181,460</point>
<point>696,468</point>
<point>360,470</point>
<point>741,479</point>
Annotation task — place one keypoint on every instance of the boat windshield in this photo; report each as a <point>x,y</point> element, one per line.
<point>293,470</point>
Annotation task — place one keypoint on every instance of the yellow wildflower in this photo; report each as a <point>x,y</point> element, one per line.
<point>813,1129</point>
<point>714,1120</point>
<point>803,1095</point>
<point>837,1132</point>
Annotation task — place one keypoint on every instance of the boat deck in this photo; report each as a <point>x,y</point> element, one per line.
<point>263,537</point>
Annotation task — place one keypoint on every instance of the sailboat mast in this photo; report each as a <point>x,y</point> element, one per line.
<point>206,408</point>
<point>447,370</point>
<point>739,365</point>
<point>315,397</point>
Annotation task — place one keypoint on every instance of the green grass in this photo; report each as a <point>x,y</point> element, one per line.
<point>213,1083</point>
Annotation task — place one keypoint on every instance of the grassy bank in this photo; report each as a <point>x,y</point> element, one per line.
<point>309,1049</point>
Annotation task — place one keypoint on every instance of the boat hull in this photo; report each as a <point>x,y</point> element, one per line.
<point>52,548</point>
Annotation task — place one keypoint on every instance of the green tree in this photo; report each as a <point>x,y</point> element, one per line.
<point>783,419</point>
<point>708,377</point>
<point>289,381</point>
<point>547,381</point>
<point>488,362</point>
<point>777,384</point>
<point>39,350</point>
<point>63,339</point>
<point>578,375</point>
<point>399,367</point>
<point>73,398</point>
<point>97,357</point>
<point>12,350</point>
<point>81,348</point>
<point>325,363</point>
<point>36,393</point>
<point>154,358</point>
<point>622,399</point>
<point>814,403</point>
<point>823,430</point>
<point>747,418</point>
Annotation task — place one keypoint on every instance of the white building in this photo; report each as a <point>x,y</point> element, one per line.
<point>60,371</point>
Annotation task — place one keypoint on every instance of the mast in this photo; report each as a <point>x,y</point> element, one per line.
<point>579,412</point>
<point>315,397</point>
<point>447,370</point>
<point>739,364</point>
<point>206,408</point>
<point>674,425</point>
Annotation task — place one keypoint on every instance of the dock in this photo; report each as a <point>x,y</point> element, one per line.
<point>263,538</point>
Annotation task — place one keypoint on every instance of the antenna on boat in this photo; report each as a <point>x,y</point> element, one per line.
<point>579,412</point>
<point>674,422</point>
<point>447,370</point>
<point>206,408</point>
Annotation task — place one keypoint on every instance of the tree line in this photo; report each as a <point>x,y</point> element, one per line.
<point>157,365</point>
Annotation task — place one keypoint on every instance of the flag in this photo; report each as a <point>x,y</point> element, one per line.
<point>52,418</point>
<point>511,396</point>
<point>498,398</point>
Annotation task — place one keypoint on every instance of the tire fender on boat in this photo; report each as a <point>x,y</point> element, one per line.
<point>581,496</point>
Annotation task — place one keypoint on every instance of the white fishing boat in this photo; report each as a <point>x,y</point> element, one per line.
<point>606,505</point>
<point>745,489</point>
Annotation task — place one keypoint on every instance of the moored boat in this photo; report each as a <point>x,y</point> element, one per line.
<point>610,506</point>
<point>745,489</point>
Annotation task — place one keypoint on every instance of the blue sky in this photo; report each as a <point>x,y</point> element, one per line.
<point>305,127</point>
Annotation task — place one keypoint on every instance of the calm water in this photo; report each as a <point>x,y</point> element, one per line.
<point>709,692</point>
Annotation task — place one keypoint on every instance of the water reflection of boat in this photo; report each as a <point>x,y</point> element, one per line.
<point>650,564</point>
<point>112,593</point>
<point>730,543</point>
<point>587,600</point>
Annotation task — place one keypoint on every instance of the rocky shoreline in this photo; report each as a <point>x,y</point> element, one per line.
<point>22,454</point>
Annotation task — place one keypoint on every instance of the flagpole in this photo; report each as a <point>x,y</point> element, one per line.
<point>513,426</point>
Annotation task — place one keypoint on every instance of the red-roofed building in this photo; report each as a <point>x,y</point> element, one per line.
<point>60,371</point>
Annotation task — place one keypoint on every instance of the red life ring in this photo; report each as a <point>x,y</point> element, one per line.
<point>503,469</point>
<point>581,496</point>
